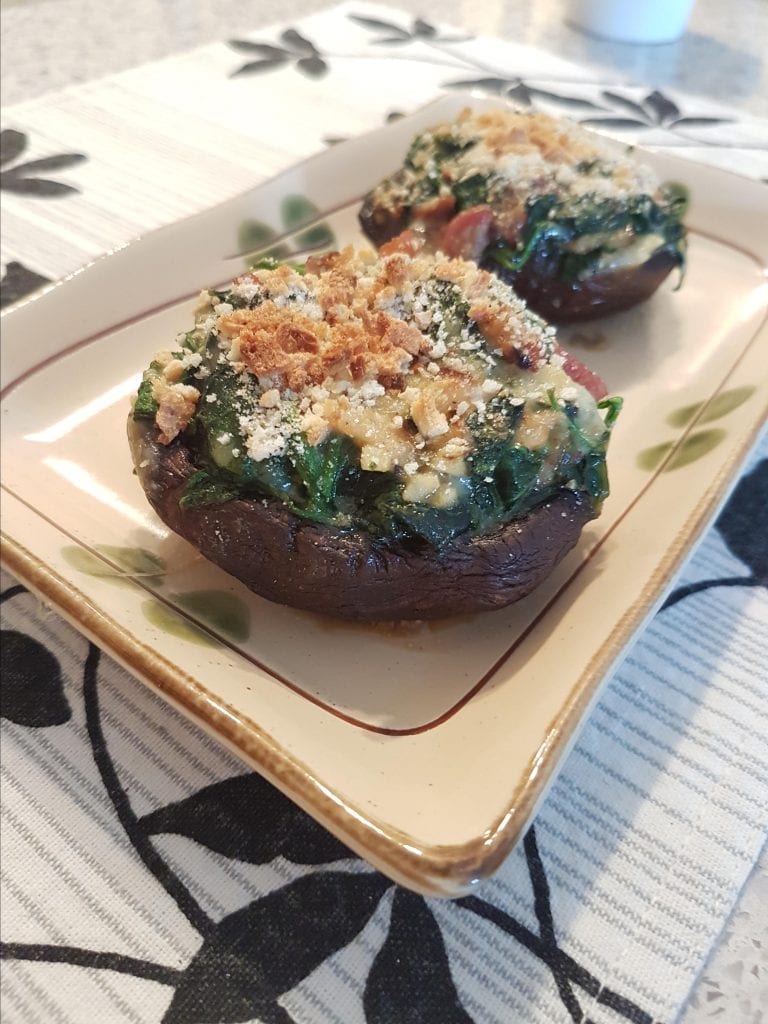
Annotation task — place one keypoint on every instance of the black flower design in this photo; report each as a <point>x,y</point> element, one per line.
<point>249,959</point>
<point>521,92</point>
<point>610,110</point>
<point>22,178</point>
<point>654,111</point>
<point>410,979</point>
<point>31,686</point>
<point>743,524</point>
<point>31,690</point>
<point>221,817</point>
<point>420,31</point>
<point>18,281</point>
<point>236,974</point>
<point>296,50</point>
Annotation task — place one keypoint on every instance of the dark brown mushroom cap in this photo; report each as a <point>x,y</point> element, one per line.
<point>597,295</point>
<point>547,294</point>
<point>381,223</point>
<point>352,575</point>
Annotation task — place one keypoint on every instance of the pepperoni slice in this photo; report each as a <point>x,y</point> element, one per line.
<point>580,374</point>
<point>407,242</point>
<point>468,234</point>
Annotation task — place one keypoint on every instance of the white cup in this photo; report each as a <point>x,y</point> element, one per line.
<point>632,21</point>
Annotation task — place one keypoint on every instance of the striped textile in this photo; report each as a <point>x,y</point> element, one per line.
<point>147,876</point>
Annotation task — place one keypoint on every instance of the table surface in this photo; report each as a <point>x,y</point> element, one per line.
<point>49,44</point>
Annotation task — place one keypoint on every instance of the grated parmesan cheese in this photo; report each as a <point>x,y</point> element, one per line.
<point>405,355</point>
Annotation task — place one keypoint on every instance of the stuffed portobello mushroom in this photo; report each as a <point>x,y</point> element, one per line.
<point>578,230</point>
<point>373,437</point>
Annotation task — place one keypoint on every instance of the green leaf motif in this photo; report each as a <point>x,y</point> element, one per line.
<point>169,621</point>
<point>134,561</point>
<point>692,448</point>
<point>318,237</point>
<point>684,414</point>
<point>649,458</point>
<point>295,210</point>
<point>223,612</point>
<point>695,447</point>
<point>131,562</point>
<point>253,235</point>
<point>720,406</point>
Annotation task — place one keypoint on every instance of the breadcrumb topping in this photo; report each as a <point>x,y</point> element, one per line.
<point>375,318</point>
<point>403,354</point>
<point>526,153</point>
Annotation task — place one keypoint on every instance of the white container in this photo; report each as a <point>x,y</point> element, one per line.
<point>632,21</point>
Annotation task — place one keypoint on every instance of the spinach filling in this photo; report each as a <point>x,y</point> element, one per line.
<point>325,483</point>
<point>426,155</point>
<point>554,224</point>
<point>145,406</point>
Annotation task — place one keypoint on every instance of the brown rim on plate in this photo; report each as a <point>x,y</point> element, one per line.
<point>449,868</point>
<point>461,865</point>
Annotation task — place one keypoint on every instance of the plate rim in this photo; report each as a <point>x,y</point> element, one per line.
<point>460,865</point>
<point>426,870</point>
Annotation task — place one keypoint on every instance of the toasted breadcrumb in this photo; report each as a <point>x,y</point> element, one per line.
<point>404,354</point>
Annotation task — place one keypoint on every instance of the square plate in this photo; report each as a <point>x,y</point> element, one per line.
<point>424,748</point>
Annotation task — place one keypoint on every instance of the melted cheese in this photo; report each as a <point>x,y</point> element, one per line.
<point>410,356</point>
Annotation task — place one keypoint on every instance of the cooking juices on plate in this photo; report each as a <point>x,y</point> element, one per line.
<point>571,220</point>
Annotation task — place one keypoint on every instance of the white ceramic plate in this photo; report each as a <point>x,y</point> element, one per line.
<point>425,749</point>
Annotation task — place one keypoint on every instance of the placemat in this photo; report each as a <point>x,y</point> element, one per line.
<point>146,875</point>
